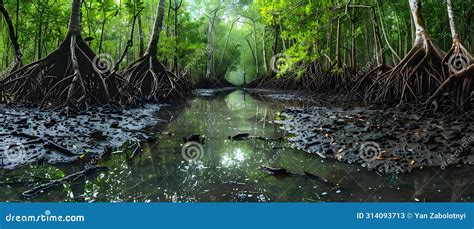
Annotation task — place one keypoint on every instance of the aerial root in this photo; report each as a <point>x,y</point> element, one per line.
<point>152,81</point>
<point>463,88</point>
<point>417,75</point>
<point>67,76</point>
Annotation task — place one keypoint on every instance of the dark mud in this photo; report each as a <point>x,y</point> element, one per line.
<point>382,140</point>
<point>32,136</point>
<point>193,159</point>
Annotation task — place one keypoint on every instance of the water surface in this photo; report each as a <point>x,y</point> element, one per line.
<point>228,171</point>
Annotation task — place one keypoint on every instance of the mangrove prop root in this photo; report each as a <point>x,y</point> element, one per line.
<point>463,88</point>
<point>419,74</point>
<point>368,79</point>
<point>66,76</point>
<point>152,81</point>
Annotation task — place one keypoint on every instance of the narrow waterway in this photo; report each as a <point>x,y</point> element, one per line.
<point>221,169</point>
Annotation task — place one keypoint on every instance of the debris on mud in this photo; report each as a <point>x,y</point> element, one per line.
<point>380,140</point>
<point>33,136</point>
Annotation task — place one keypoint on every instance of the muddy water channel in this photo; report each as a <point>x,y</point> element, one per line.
<point>180,167</point>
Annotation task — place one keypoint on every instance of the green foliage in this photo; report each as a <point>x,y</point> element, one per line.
<point>306,31</point>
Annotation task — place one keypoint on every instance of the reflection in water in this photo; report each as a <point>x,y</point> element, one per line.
<point>229,170</point>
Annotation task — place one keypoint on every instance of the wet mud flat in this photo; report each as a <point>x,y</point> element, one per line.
<point>31,136</point>
<point>221,167</point>
<point>382,140</point>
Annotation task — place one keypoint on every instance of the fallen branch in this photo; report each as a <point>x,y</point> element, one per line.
<point>68,179</point>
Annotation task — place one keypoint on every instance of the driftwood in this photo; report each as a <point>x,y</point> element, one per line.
<point>282,172</point>
<point>246,136</point>
<point>47,143</point>
<point>67,179</point>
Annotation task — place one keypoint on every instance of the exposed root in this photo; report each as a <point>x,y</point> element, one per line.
<point>463,88</point>
<point>152,81</point>
<point>419,74</point>
<point>66,76</point>
<point>313,79</point>
<point>365,81</point>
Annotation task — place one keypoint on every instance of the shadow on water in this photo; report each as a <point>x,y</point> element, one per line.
<point>221,169</point>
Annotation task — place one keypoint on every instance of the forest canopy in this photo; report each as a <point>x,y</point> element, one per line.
<point>242,40</point>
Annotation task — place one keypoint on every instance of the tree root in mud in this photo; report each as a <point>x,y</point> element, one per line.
<point>368,79</point>
<point>68,76</point>
<point>152,81</point>
<point>417,75</point>
<point>314,79</point>
<point>68,179</point>
<point>463,85</point>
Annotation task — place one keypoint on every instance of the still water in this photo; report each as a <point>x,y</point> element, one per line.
<point>224,170</point>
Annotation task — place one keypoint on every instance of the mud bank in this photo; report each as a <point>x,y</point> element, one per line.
<point>382,140</point>
<point>29,136</point>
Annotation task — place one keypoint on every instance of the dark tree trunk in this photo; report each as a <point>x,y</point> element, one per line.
<point>141,37</point>
<point>11,33</point>
<point>155,35</point>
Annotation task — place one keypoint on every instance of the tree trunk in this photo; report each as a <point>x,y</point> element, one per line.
<point>257,71</point>
<point>40,35</point>
<point>155,35</point>
<point>75,20</point>
<point>421,35</point>
<point>168,33</point>
<point>141,37</point>
<point>252,51</point>
<point>209,48</point>
<point>383,31</point>
<point>264,47</point>
<point>176,8</point>
<point>329,43</point>
<point>338,43</point>
<point>452,25</point>
<point>227,41</point>
<point>353,44</point>
<point>379,53</point>
<point>11,33</point>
